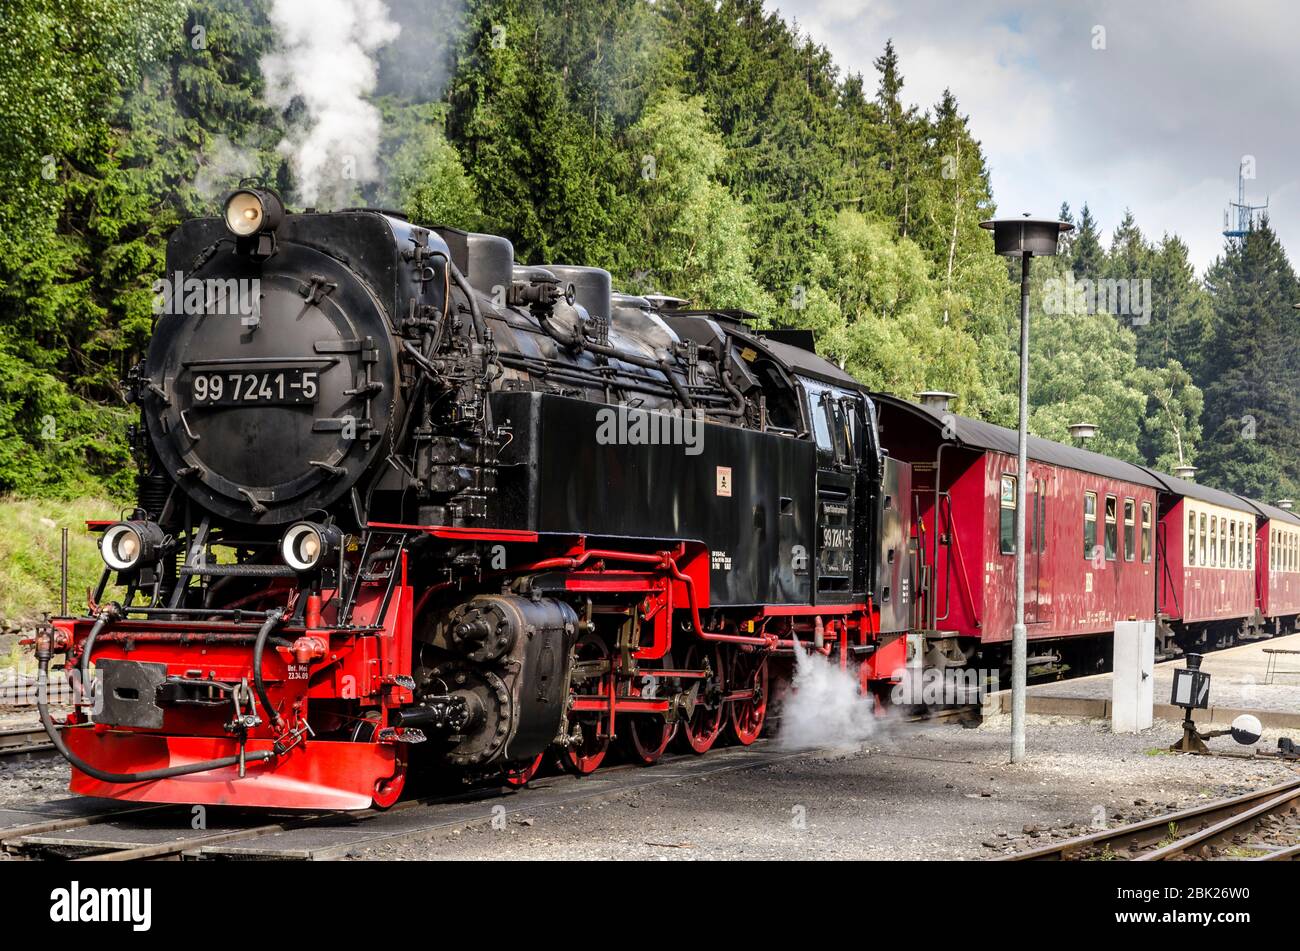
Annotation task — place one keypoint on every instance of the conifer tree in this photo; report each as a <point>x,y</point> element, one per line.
<point>1251,409</point>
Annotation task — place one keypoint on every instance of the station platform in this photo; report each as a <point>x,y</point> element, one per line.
<point>1257,678</point>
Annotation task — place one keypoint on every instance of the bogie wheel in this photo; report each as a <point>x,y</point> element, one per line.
<point>584,757</point>
<point>700,731</point>
<point>748,672</point>
<point>519,775</point>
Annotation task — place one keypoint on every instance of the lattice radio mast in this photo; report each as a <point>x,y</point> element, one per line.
<point>1240,218</point>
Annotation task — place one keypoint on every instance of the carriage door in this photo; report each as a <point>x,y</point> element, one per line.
<point>833,431</point>
<point>1035,533</point>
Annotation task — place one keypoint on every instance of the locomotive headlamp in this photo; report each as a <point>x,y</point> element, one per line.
<point>250,211</point>
<point>127,545</point>
<point>306,544</point>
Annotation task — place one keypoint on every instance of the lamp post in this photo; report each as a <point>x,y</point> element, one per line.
<point>1023,237</point>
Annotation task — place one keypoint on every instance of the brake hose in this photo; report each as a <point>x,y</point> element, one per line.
<point>273,619</point>
<point>110,612</point>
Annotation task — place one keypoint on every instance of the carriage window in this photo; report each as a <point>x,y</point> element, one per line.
<point>1147,529</point>
<point>1040,521</point>
<point>1007,516</point>
<point>1200,547</point>
<point>1191,537</point>
<point>1112,527</point>
<point>1223,543</point>
<point>1130,529</point>
<point>1214,541</point>
<point>1089,523</point>
<point>1232,544</point>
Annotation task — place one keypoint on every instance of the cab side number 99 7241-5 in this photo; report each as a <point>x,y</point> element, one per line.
<point>240,388</point>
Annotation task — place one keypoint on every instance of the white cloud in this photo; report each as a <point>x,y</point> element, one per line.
<point>1157,121</point>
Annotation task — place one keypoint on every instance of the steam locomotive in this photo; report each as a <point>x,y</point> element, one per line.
<point>404,501</point>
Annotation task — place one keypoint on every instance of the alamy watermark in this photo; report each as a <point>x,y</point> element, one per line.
<point>627,426</point>
<point>1123,298</point>
<point>219,297</point>
<point>20,691</point>
<point>943,687</point>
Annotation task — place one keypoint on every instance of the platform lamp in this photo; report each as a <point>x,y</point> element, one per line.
<point>1023,238</point>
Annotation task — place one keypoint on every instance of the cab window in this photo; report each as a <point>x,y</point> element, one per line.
<point>819,408</point>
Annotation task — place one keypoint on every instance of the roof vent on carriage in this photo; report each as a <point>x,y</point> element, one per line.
<point>1083,431</point>
<point>940,401</point>
<point>1186,472</point>
<point>1285,504</point>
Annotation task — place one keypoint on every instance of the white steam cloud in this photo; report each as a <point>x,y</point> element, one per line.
<point>824,707</point>
<point>325,60</point>
<point>221,166</point>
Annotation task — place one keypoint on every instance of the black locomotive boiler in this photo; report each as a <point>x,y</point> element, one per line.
<point>403,499</point>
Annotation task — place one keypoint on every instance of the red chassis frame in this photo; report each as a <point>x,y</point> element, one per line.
<point>371,662</point>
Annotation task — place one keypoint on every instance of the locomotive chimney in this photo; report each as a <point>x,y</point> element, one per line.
<point>936,400</point>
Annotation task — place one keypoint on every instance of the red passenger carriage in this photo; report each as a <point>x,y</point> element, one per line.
<point>1089,531</point>
<point>1207,585</point>
<point>1277,558</point>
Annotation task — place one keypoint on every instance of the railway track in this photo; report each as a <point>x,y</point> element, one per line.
<point>162,832</point>
<point>25,741</point>
<point>1263,825</point>
<point>165,832</point>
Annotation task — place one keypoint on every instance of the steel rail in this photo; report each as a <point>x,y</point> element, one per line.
<point>1155,830</point>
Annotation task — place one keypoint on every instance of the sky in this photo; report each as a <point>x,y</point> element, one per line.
<point>1149,105</point>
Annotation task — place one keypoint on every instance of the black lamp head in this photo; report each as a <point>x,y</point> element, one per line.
<point>1016,237</point>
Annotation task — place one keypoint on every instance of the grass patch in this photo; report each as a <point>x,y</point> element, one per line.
<point>1159,751</point>
<point>1243,852</point>
<point>29,555</point>
<point>1171,838</point>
